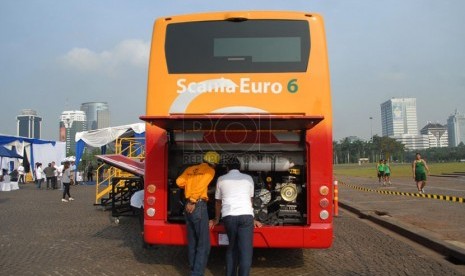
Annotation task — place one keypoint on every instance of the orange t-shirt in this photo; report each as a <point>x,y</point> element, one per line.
<point>194,180</point>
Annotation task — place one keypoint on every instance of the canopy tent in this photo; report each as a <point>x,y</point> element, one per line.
<point>4,152</point>
<point>5,155</point>
<point>36,150</point>
<point>101,137</point>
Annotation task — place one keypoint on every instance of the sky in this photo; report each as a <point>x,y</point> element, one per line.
<point>55,55</point>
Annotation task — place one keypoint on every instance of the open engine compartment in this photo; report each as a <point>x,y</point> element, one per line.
<point>278,172</point>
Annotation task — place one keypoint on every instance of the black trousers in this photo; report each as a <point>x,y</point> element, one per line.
<point>49,182</point>
<point>54,182</point>
<point>66,190</point>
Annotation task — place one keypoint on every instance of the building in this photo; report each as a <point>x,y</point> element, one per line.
<point>456,129</point>
<point>399,116</point>
<point>437,135</point>
<point>97,113</point>
<point>29,124</point>
<point>413,141</point>
<point>399,121</point>
<point>71,122</point>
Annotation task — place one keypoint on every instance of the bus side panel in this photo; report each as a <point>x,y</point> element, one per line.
<point>319,139</point>
<point>155,174</point>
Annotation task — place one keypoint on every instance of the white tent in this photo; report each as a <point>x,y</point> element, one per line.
<point>104,136</point>
<point>37,150</point>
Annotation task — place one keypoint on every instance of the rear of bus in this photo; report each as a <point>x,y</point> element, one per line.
<point>249,85</point>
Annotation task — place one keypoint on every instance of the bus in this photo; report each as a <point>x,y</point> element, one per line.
<point>251,85</point>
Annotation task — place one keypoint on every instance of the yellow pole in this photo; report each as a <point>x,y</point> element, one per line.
<point>336,199</point>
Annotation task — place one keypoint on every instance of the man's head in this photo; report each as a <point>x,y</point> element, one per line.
<point>212,158</point>
<point>234,164</point>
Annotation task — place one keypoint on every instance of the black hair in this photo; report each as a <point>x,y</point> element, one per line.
<point>234,164</point>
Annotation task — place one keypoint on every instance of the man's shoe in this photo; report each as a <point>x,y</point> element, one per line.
<point>63,200</point>
<point>70,199</point>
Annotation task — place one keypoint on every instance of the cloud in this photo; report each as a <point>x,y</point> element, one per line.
<point>130,52</point>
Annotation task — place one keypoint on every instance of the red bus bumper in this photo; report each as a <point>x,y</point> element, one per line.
<point>319,235</point>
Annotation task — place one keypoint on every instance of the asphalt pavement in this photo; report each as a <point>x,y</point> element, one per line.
<point>40,235</point>
<point>435,219</point>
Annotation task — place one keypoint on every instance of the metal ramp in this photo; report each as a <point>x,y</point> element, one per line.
<point>119,176</point>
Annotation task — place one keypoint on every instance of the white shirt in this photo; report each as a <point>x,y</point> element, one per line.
<point>235,190</point>
<point>137,199</point>
<point>55,172</point>
<point>39,173</point>
<point>20,170</point>
<point>59,170</point>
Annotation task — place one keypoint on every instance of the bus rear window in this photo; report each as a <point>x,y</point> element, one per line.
<point>252,46</point>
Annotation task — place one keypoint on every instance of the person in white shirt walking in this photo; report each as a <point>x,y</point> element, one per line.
<point>66,179</point>
<point>234,195</point>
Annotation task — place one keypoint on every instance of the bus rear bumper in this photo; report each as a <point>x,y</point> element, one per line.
<point>318,235</point>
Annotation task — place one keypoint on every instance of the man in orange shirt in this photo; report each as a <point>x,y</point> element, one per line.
<point>195,180</point>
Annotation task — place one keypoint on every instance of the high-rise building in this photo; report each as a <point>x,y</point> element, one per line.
<point>98,114</point>
<point>29,124</point>
<point>456,129</point>
<point>437,135</point>
<point>71,122</point>
<point>399,116</point>
<point>399,121</point>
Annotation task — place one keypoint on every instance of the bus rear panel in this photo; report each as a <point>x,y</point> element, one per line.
<point>252,86</point>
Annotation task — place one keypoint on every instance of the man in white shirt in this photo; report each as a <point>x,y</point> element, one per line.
<point>39,175</point>
<point>234,195</point>
<point>21,173</point>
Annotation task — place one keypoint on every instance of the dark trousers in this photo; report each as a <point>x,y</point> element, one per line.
<point>140,215</point>
<point>39,183</point>
<point>21,179</point>
<point>240,249</point>
<point>49,182</point>
<point>66,190</point>
<point>198,238</point>
<point>54,182</point>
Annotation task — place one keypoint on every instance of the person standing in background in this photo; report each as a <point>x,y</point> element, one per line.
<point>55,175</point>
<point>387,173</point>
<point>49,174</point>
<point>419,170</point>
<point>39,175</point>
<point>90,172</point>
<point>380,170</point>
<point>66,179</point>
<point>21,173</point>
<point>137,204</point>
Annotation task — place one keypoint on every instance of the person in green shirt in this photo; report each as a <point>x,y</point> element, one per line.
<point>419,170</point>
<point>380,170</point>
<point>387,173</point>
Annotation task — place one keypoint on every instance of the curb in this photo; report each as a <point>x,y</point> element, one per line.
<point>421,236</point>
<point>387,192</point>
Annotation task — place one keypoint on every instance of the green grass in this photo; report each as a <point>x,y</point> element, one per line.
<point>397,170</point>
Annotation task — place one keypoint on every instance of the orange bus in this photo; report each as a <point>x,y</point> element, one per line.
<point>253,85</point>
